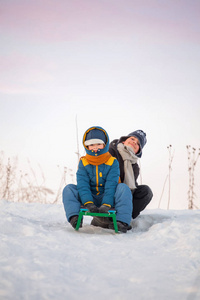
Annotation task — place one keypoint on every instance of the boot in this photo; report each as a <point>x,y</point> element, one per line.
<point>74,220</point>
<point>101,222</point>
<point>123,227</point>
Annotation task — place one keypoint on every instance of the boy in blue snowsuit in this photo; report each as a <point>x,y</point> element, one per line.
<point>98,187</point>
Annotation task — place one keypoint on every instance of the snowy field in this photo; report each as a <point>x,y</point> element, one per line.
<point>43,257</point>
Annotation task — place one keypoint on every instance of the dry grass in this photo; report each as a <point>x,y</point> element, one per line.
<point>19,186</point>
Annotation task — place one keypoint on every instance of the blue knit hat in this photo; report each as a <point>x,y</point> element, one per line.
<point>95,136</point>
<point>140,135</point>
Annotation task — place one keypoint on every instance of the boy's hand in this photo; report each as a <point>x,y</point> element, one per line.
<point>92,208</point>
<point>104,208</point>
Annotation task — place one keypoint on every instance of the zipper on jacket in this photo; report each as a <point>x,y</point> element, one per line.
<point>97,180</point>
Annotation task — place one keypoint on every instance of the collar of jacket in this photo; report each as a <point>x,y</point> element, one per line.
<point>98,160</point>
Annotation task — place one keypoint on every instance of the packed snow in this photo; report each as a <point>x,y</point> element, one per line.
<point>43,257</point>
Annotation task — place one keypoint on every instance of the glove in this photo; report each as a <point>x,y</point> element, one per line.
<point>92,208</point>
<point>104,208</point>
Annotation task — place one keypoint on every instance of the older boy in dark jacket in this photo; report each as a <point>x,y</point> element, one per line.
<point>127,150</point>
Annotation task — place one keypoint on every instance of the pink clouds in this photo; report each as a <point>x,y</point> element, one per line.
<point>44,39</point>
<point>71,20</point>
<point>59,20</point>
<point>24,73</point>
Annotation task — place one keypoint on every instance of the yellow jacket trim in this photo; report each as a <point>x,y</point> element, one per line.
<point>88,202</point>
<point>97,180</point>
<point>110,161</point>
<point>107,204</point>
<point>84,161</point>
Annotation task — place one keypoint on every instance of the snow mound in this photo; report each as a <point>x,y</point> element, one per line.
<point>43,257</point>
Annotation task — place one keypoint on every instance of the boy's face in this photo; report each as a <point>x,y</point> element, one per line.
<point>133,143</point>
<point>95,147</point>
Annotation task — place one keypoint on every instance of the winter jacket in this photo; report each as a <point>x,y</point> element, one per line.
<point>114,152</point>
<point>95,177</point>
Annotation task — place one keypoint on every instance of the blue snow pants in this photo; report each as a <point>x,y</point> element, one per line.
<point>122,202</point>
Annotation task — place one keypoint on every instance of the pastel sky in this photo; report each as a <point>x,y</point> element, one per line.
<point>120,64</point>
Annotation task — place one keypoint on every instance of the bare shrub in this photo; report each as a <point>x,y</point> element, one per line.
<point>8,177</point>
<point>171,156</point>
<point>192,161</point>
<point>168,177</point>
<point>19,186</point>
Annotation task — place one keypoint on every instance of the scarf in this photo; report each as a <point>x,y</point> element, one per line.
<point>129,158</point>
<point>98,160</point>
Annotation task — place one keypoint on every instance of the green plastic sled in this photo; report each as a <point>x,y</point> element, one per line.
<point>85,212</point>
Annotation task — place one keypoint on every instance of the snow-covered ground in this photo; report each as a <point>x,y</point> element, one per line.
<point>43,257</point>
